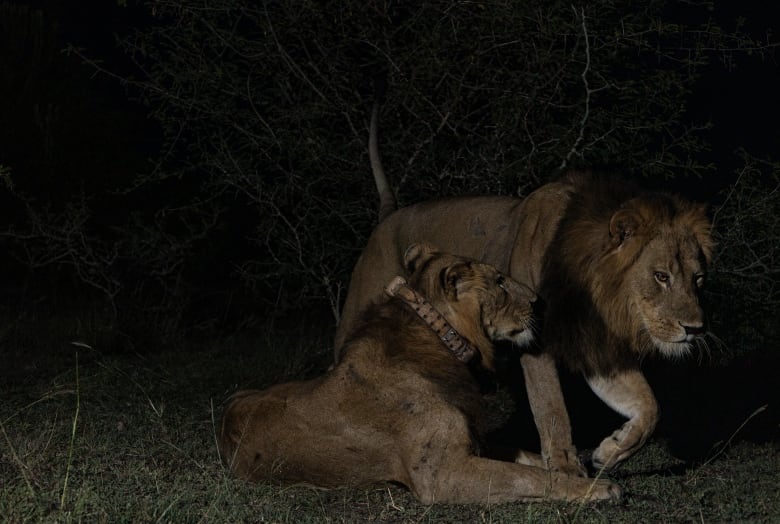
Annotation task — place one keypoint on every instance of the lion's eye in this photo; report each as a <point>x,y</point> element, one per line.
<point>500,282</point>
<point>661,277</point>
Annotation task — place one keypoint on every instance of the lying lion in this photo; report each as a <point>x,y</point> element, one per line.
<point>401,405</point>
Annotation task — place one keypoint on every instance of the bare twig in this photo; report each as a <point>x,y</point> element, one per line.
<point>588,90</point>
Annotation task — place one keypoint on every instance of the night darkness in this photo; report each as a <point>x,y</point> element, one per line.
<point>180,218</point>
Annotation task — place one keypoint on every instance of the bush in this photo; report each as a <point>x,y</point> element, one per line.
<point>262,195</point>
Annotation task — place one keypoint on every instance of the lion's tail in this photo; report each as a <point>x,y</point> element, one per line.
<point>387,202</point>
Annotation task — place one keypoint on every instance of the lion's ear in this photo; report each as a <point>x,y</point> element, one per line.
<point>623,225</point>
<point>416,255</point>
<point>453,276</point>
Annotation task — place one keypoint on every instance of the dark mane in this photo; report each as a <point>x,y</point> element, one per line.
<point>583,273</point>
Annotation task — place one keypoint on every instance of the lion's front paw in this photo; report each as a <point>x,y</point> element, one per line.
<point>618,447</point>
<point>580,489</point>
<point>566,461</point>
<point>606,455</point>
<point>613,491</point>
<point>605,490</point>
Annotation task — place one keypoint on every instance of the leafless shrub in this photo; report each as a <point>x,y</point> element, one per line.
<point>266,106</point>
<point>746,270</point>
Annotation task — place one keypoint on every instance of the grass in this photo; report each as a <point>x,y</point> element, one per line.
<point>131,438</point>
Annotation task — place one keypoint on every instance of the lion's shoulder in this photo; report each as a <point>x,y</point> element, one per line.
<point>393,346</point>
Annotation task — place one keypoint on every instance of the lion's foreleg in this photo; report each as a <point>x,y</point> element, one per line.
<point>550,415</point>
<point>629,394</point>
<point>484,481</point>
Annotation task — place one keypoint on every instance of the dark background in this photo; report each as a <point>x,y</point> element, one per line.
<point>110,232</point>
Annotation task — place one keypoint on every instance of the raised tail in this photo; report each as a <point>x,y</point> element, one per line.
<point>387,202</point>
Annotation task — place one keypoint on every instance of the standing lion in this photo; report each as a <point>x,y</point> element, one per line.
<point>618,270</point>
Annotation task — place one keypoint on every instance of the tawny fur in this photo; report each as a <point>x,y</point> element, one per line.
<point>399,406</point>
<point>595,250</point>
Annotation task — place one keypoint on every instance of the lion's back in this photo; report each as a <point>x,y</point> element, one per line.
<point>507,232</point>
